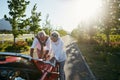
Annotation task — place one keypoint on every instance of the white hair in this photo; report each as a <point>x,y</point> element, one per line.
<point>55,34</point>
<point>41,33</point>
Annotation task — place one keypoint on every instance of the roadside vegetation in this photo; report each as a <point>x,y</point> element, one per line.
<point>99,42</point>
<point>103,60</point>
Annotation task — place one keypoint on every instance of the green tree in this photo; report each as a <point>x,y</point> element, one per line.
<point>82,31</point>
<point>17,13</point>
<point>34,20</point>
<point>75,33</point>
<point>62,32</point>
<point>110,18</point>
<point>47,25</point>
<point>91,29</point>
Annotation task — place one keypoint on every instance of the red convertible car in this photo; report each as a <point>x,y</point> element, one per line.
<point>16,66</point>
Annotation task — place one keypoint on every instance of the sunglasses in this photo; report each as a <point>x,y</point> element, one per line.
<point>54,35</point>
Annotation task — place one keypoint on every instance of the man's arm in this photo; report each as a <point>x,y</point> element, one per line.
<point>33,46</point>
<point>31,52</point>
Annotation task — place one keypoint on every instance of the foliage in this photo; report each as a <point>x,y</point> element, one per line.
<point>5,31</point>
<point>20,46</point>
<point>3,46</point>
<point>29,41</point>
<point>17,13</point>
<point>34,20</point>
<point>75,33</point>
<point>110,18</point>
<point>114,39</point>
<point>84,32</point>
<point>62,32</point>
<point>103,60</point>
<point>47,27</point>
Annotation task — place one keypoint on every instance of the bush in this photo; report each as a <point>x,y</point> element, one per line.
<point>4,45</point>
<point>20,46</point>
<point>29,41</point>
<point>21,43</point>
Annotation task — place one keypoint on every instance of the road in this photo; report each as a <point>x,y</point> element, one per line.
<point>76,67</point>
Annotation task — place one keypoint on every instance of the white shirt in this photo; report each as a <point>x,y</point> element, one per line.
<point>58,51</point>
<point>37,45</point>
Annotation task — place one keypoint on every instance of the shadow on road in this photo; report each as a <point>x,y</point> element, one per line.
<point>75,67</point>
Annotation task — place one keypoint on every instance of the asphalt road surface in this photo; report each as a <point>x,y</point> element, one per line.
<point>76,67</point>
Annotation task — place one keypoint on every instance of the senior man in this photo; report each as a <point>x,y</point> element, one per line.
<point>42,44</point>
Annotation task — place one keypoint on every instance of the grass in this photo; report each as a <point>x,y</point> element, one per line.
<point>98,63</point>
<point>9,37</point>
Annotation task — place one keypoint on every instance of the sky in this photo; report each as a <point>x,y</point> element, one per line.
<point>64,13</point>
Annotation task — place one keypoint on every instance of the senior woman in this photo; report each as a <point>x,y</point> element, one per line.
<point>58,52</point>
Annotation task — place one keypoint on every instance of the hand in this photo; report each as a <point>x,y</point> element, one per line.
<point>52,59</point>
<point>47,57</point>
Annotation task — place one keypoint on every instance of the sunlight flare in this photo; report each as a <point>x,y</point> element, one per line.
<point>84,9</point>
<point>78,11</point>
